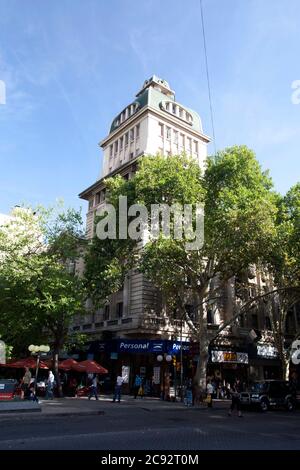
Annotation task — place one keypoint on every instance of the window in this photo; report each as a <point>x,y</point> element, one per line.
<point>131,155</point>
<point>119,309</point>
<point>190,310</point>
<point>76,328</point>
<point>88,326</point>
<point>161,129</point>
<point>189,142</point>
<point>98,198</point>
<point>126,138</point>
<point>210,317</point>
<point>91,203</point>
<point>111,151</point>
<point>180,112</point>
<point>168,132</point>
<point>116,146</point>
<point>126,177</point>
<point>167,106</point>
<point>254,320</point>
<point>182,140</point>
<point>252,292</point>
<point>268,323</point>
<point>102,195</point>
<point>106,312</point>
<point>131,135</point>
<point>195,146</point>
<point>188,117</point>
<point>137,131</point>
<point>174,108</point>
<point>175,134</point>
<point>121,143</point>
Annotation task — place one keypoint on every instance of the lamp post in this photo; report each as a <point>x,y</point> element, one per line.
<point>160,358</point>
<point>37,350</point>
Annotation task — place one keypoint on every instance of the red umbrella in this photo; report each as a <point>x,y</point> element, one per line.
<point>28,362</point>
<point>90,367</point>
<point>67,364</point>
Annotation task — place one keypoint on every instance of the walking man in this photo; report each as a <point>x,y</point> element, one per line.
<point>25,383</point>
<point>50,386</point>
<point>93,388</point>
<point>235,398</point>
<point>118,388</point>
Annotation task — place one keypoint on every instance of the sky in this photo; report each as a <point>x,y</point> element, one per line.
<point>70,66</point>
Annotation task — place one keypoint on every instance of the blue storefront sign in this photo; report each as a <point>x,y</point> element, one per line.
<point>152,346</point>
<point>139,346</point>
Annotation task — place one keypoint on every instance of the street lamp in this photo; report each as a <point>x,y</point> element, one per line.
<point>37,350</point>
<point>168,359</point>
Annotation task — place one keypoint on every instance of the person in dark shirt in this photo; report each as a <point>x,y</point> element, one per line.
<point>235,398</point>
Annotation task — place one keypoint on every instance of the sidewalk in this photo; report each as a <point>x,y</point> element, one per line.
<point>83,406</point>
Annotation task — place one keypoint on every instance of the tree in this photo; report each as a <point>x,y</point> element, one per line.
<point>239,228</point>
<point>39,291</point>
<point>284,267</point>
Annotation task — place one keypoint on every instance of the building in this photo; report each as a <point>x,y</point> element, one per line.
<point>154,122</point>
<point>133,329</point>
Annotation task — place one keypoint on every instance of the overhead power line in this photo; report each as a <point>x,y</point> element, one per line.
<point>207,77</point>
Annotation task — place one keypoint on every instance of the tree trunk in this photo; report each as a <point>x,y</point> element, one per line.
<point>56,373</point>
<point>285,366</point>
<point>200,376</point>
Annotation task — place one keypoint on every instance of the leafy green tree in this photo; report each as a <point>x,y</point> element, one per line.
<point>40,293</point>
<point>239,227</point>
<point>284,267</point>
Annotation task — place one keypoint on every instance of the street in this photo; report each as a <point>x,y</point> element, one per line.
<point>147,425</point>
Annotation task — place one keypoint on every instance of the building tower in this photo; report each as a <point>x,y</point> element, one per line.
<point>153,123</point>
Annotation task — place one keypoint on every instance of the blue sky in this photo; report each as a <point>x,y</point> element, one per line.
<point>71,65</point>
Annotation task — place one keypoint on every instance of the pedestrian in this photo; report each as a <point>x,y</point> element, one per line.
<point>235,398</point>
<point>50,386</point>
<point>209,393</point>
<point>32,394</point>
<point>93,388</point>
<point>118,388</point>
<point>72,388</point>
<point>25,384</point>
<point>138,384</point>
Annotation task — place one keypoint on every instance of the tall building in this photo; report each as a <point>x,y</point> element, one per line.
<point>153,123</point>
<point>133,329</point>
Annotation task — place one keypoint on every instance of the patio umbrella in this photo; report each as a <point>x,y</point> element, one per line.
<point>90,367</point>
<point>28,362</point>
<point>67,364</point>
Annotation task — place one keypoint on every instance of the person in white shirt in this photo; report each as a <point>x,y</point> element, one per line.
<point>50,385</point>
<point>209,392</point>
<point>118,388</point>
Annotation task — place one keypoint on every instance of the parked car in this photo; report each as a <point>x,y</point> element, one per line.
<point>268,394</point>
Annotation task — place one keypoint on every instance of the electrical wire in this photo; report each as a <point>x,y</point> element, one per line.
<point>207,77</point>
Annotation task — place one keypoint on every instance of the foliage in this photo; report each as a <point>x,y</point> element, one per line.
<point>39,294</point>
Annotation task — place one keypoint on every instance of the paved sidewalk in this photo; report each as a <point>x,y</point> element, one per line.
<point>83,406</point>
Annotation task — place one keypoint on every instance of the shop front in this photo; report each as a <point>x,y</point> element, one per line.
<point>225,366</point>
<point>162,364</point>
<point>264,363</point>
